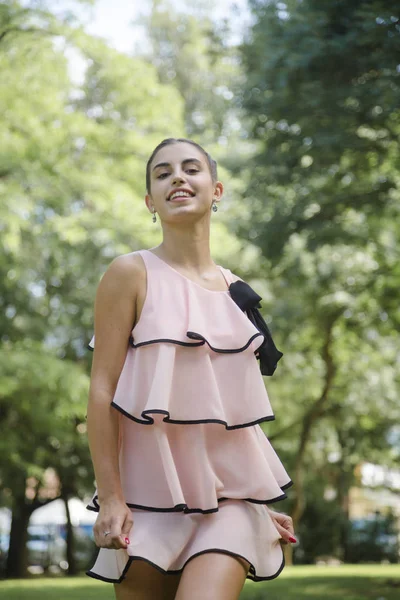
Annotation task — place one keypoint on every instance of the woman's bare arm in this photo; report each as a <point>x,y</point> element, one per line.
<point>115,315</point>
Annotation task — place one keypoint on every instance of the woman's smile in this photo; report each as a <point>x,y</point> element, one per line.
<point>180,194</point>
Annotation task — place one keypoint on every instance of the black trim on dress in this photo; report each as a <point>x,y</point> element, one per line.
<point>197,336</point>
<point>286,485</point>
<point>148,420</point>
<point>194,336</point>
<point>250,575</point>
<point>165,341</point>
<point>187,511</point>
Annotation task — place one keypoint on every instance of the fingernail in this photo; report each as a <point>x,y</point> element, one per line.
<point>127,541</point>
<point>292,539</point>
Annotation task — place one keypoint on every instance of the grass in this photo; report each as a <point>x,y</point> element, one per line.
<point>347,582</point>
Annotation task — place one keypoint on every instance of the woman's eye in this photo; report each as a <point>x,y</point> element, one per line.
<point>165,174</point>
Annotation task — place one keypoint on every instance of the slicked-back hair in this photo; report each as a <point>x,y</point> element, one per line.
<point>212,164</point>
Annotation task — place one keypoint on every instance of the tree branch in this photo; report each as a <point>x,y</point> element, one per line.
<point>26,30</point>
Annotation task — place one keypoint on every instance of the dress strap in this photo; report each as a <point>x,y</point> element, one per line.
<point>227,275</point>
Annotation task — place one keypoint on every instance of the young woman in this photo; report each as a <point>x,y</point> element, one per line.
<point>184,472</point>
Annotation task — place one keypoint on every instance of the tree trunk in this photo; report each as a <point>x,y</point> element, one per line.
<point>71,560</point>
<point>344,482</point>
<point>343,499</point>
<point>288,553</point>
<point>17,558</point>
<point>16,567</point>
<point>310,418</point>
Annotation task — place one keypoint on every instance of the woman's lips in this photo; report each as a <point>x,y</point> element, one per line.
<point>181,198</point>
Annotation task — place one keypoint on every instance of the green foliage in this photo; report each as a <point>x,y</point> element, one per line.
<point>72,180</point>
<point>374,539</point>
<point>191,52</point>
<point>323,201</point>
<point>42,414</point>
<point>325,519</point>
<point>323,89</point>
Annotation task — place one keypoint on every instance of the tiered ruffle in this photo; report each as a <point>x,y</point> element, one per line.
<point>194,468</point>
<point>170,541</point>
<point>192,386</point>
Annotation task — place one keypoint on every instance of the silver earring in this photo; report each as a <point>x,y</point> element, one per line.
<point>214,205</point>
<point>154,216</point>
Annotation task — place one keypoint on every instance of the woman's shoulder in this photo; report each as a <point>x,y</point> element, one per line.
<point>132,262</point>
<point>128,267</point>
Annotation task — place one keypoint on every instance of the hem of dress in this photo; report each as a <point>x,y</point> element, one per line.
<point>250,575</point>
<point>285,486</point>
<point>148,420</point>
<point>186,510</point>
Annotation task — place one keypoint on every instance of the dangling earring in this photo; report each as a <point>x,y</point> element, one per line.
<point>214,205</point>
<point>154,216</point>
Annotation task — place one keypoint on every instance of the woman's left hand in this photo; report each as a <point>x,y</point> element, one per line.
<point>284,525</point>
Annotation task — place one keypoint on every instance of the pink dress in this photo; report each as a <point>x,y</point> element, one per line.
<point>196,468</point>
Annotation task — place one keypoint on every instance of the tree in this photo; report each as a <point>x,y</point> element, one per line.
<point>40,427</point>
<point>322,93</point>
<point>192,51</point>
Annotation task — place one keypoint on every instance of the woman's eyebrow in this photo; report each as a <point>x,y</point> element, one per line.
<point>164,164</point>
<point>191,160</point>
<point>184,162</point>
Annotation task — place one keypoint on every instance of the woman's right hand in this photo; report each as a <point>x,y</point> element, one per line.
<point>116,518</point>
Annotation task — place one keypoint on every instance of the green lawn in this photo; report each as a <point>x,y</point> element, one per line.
<point>348,582</point>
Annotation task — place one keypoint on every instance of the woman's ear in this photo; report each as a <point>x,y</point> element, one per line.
<point>218,190</point>
<point>149,202</point>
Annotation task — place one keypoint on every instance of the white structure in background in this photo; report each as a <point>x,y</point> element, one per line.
<point>5,520</point>
<point>379,491</point>
<point>54,513</point>
<point>378,476</point>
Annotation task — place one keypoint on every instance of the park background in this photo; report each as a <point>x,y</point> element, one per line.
<point>299,102</point>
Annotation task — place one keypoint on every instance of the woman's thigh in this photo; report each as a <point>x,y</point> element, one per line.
<point>144,582</point>
<point>215,576</point>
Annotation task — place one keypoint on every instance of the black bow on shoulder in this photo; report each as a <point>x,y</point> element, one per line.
<point>249,301</point>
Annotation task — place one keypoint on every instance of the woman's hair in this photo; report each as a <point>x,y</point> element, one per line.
<point>211,162</point>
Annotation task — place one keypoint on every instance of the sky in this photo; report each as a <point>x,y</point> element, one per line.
<point>112,19</point>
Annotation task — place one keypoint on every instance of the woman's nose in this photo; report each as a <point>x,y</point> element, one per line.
<point>177,179</point>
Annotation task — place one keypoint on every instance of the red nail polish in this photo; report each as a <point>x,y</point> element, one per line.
<point>127,541</point>
<point>292,539</point>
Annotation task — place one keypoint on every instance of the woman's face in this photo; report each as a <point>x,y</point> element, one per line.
<point>181,183</point>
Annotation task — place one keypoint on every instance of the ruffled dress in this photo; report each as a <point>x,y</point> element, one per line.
<point>196,468</point>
